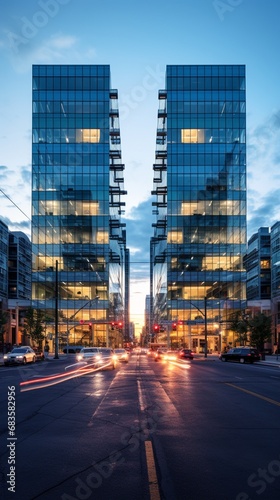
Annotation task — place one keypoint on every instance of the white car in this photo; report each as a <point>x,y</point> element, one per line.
<point>20,355</point>
<point>88,354</point>
<point>121,355</point>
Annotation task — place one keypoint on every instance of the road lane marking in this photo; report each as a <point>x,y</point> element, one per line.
<point>272,401</point>
<point>152,473</point>
<point>141,397</point>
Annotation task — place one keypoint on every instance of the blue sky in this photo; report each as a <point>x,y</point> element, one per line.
<point>138,40</point>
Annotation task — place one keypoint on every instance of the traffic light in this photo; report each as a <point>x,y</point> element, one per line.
<point>120,326</point>
<point>156,328</point>
<point>174,327</point>
<point>81,321</point>
<point>113,324</point>
<point>90,327</point>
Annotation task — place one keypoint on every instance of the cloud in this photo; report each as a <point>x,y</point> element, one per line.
<point>139,232</point>
<point>23,226</point>
<point>263,173</point>
<point>26,175</point>
<point>58,48</point>
<point>266,213</point>
<point>3,172</point>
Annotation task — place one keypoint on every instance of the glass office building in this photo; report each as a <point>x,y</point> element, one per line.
<point>79,241</point>
<point>197,275</point>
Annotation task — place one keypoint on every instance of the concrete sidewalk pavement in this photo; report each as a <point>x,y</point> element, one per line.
<point>270,359</point>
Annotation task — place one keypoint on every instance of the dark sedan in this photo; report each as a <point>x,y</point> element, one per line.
<point>241,355</point>
<point>185,354</point>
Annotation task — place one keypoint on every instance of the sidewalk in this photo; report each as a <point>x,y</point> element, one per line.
<point>270,360</point>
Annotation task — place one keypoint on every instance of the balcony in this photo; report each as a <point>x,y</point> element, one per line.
<point>161,155</point>
<point>113,94</point>
<point>162,113</point>
<point>159,166</point>
<point>117,166</point>
<point>114,113</point>
<point>115,132</point>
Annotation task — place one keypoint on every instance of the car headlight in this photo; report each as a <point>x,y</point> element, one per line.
<point>5,356</point>
<point>19,357</point>
<point>79,357</point>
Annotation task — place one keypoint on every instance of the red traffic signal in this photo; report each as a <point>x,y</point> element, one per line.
<point>113,324</point>
<point>156,328</point>
<point>81,321</point>
<point>120,325</point>
<point>174,327</point>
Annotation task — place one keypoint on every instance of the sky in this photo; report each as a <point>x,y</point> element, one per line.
<point>138,40</point>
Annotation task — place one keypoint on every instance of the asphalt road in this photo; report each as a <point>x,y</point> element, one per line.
<point>202,430</point>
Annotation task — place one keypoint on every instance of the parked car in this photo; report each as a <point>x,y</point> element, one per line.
<point>122,355</point>
<point>185,354</point>
<point>20,355</point>
<point>72,349</point>
<point>241,355</point>
<point>39,354</point>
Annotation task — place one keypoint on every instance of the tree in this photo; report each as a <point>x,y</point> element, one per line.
<point>33,324</point>
<point>239,324</point>
<point>260,326</point>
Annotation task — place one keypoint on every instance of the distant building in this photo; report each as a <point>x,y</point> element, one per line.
<point>4,256</point>
<point>275,283</point>
<point>20,262</point>
<point>257,263</point>
<point>200,204</point>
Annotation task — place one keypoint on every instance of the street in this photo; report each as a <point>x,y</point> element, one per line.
<point>199,430</point>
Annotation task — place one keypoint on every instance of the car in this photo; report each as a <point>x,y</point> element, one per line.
<point>241,355</point>
<point>39,354</point>
<point>169,355</point>
<point>72,349</point>
<point>121,355</point>
<point>88,354</point>
<point>159,354</point>
<point>20,355</point>
<point>185,354</point>
<point>108,359</point>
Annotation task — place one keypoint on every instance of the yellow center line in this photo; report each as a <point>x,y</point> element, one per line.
<point>272,401</point>
<point>152,473</point>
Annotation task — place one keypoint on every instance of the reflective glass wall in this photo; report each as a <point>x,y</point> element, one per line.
<point>200,188</point>
<point>77,236</point>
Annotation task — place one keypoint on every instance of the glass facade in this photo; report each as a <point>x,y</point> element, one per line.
<point>79,244</point>
<point>4,259</point>
<point>200,188</point>
<point>258,267</point>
